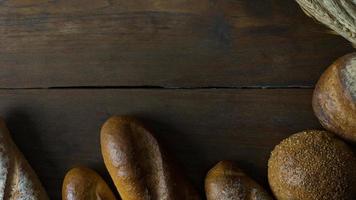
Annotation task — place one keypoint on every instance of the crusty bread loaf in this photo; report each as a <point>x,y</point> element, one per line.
<point>81,183</point>
<point>137,164</point>
<point>225,181</point>
<point>17,179</point>
<point>313,165</point>
<point>334,99</point>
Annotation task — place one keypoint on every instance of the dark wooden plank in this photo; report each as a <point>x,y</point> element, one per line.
<point>173,43</point>
<point>58,129</point>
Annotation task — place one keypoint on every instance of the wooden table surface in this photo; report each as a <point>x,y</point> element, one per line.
<point>215,79</point>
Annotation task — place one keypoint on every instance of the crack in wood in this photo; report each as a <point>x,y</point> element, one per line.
<point>161,87</point>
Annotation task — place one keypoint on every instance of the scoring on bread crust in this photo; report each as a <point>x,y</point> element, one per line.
<point>349,77</point>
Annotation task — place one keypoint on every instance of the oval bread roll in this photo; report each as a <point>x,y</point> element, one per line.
<point>137,164</point>
<point>334,99</point>
<point>17,179</point>
<point>85,184</point>
<point>225,181</point>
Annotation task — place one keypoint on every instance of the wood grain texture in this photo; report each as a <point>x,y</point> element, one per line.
<point>166,43</point>
<point>200,43</point>
<point>59,129</point>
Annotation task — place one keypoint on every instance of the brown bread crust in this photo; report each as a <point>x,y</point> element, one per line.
<point>82,183</point>
<point>312,165</point>
<point>137,164</point>
<point>335,96</point>
<point>225,181</point>
<point>18,181</point>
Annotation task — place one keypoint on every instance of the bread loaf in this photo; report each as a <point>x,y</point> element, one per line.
<point>312,165</point>
<point>17,179</point>
<point>137,164</point>
<point>85,184</point>
<point>334,99</point>
<point>225,181</point>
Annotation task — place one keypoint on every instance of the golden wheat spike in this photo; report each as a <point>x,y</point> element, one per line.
<point>339,15</point>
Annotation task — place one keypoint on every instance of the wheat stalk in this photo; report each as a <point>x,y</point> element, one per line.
<point>339,15</point>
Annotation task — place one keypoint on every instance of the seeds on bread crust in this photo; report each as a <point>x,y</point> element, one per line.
<point>312,165</point>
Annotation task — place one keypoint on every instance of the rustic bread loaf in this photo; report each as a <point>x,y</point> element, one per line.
<point>17,179</point>
<point>139,167</point>
<point>334,99</point>
<point>312,165</point>
<point>225,181</point>
<point>82,183</point>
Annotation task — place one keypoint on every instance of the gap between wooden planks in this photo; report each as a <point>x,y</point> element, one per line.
<point>171,44</point>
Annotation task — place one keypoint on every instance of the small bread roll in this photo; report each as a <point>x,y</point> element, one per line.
<point>312,165</point>
<point>335,97</point>
<point>225,181</point>
<point>85,184</point>
<point>137,164</point>
<point>17,179</point>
